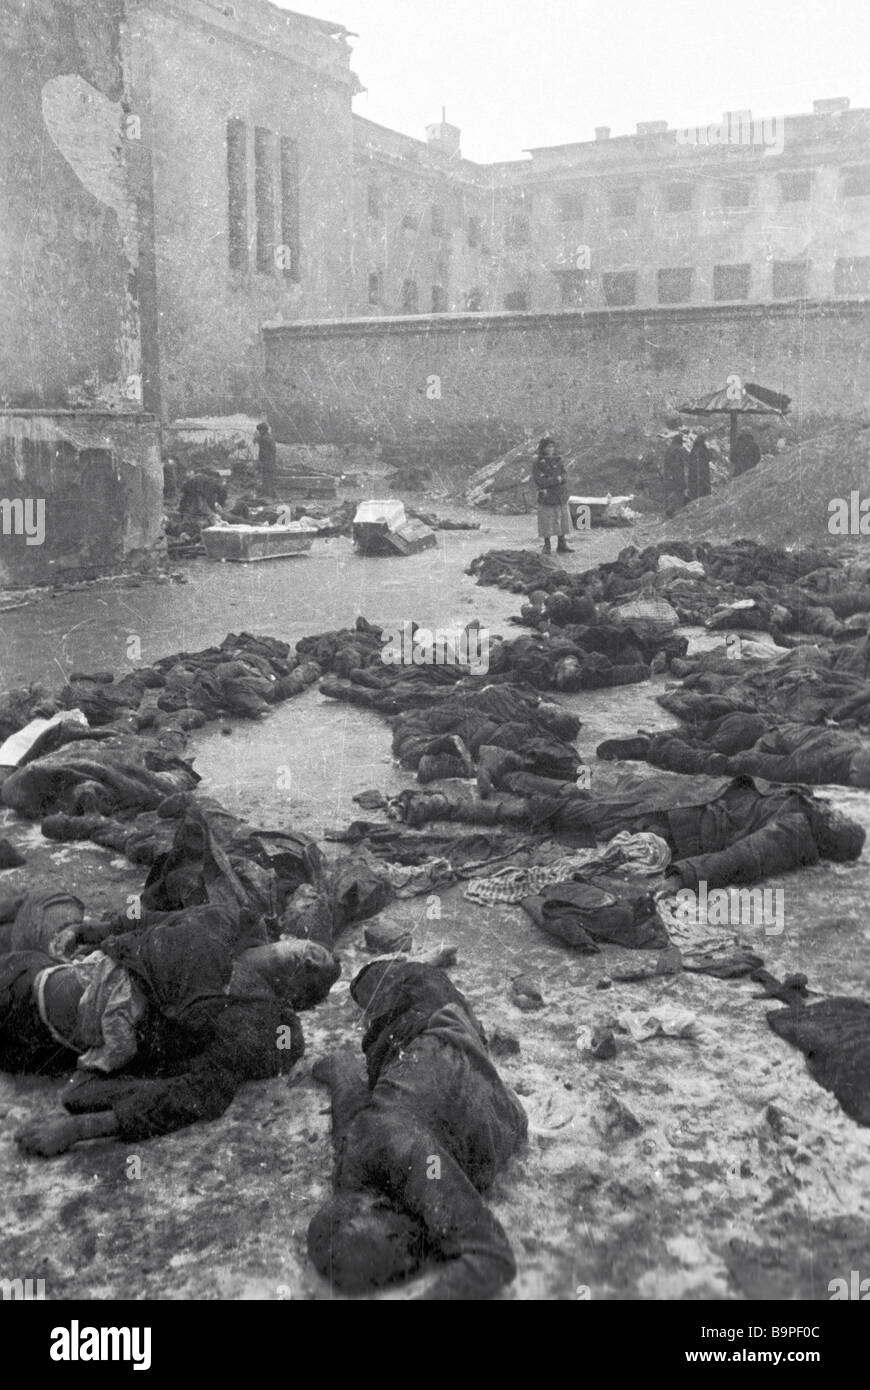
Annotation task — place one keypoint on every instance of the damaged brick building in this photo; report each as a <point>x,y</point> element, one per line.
<point>150,225</point>
<point>591,287</point>
<point>195,223</point>
<point>77,428</point>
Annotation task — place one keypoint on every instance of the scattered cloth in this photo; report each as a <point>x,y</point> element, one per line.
<point>666,1020</point>
<point>602,910</point>
<point>512,885</point>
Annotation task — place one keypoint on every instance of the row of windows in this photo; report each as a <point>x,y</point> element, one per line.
<point>275,204</point>
<point>410,301</point>
<point>677,198</point>
<point>789,280</point>
<point>795,187</point>
<point>437,220</point>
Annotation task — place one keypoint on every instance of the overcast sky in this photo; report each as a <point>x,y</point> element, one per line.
<point>515,74</point>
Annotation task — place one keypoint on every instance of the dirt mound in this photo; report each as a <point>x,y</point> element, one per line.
<point>784,500</point>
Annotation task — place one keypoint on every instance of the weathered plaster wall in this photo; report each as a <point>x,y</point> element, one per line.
<point>69,326</point>
<point>598,380</point>
<point>99,478</point>
<point>193,71</point>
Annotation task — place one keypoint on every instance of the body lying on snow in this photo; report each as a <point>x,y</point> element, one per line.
<point>739,585</point>
<point>834,1036</point>
<point>719,831</point>
<point>418,1144</point>
<point>777,750</point>
<point>784,703</point>
<point>162,1024</point>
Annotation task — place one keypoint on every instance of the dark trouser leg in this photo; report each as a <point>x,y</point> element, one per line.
<point>397,1154</point>
<point>358,1239</point>
<point>342,1073</point>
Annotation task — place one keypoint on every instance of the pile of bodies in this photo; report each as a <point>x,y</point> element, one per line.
<point>163,1017</point>
<point>503,761</point>
<point>163,1011</point>
<point>793,712</point>
<point>802,717</point>
<point>117,777</point>
<point>790,592</point>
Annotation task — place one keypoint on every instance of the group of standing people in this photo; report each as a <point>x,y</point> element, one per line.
<point>687,476</point>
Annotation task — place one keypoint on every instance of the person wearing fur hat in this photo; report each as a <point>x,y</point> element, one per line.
<point>551,480</point>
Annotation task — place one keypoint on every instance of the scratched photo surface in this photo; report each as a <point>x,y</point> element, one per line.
<point>434,652</point>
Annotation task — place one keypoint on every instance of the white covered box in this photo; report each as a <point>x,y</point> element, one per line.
<point>390,513</point>
<point>247,544</point>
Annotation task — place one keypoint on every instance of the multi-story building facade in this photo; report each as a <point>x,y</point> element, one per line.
<point>774,210</point>
<point>433,232</point>
<point>247,109</point>
<point>213,179</point>
<point>742,210</point>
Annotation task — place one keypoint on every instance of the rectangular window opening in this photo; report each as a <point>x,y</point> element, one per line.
<point>264,199</point>
<point>290,209</point>
<point>237,182</point>
<point>679,197</point>
<point>795,187</point>
<point>731,282</point>
<point>569,207</point>
<point>856,182</point>
<point>517,301</point>
<point>623,202</point>
<point>790,279</point>
<point>620,288</point>
<point>675,285</point>
<point>736,194</point>
<point>852,275</point>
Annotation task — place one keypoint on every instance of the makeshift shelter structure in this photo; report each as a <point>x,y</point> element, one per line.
<point>737,400</point>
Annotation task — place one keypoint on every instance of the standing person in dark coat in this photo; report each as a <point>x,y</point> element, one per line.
<point>698,469</point>
<point>268,457</point>
<point>746,453</point>
<point>551,480</point>
<point>674,475</point>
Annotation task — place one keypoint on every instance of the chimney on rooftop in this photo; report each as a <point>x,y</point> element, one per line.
<point>828,106</point>
<point>651,127</point>
<point>602,132</point>
<point>443,138</point>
